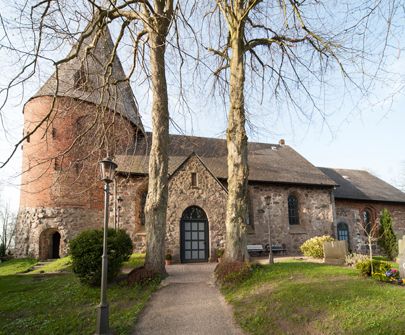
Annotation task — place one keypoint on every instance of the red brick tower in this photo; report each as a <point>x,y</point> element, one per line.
<point>81,114</point>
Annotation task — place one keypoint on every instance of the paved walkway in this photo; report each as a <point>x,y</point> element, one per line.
<point>187,304</point>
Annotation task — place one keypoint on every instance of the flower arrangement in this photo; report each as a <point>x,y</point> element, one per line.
<point>392,274</point>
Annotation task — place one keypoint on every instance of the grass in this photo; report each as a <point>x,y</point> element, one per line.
<point>135,260</point>
<point>58,265</point>
<point>308,298</point>
<point>14,266</point>
<point>60,304</point>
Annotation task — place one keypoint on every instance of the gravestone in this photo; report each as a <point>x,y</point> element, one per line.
<point>401,256</point>
<point>334,252</point>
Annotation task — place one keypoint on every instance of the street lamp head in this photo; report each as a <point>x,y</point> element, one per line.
<point>107,170</point>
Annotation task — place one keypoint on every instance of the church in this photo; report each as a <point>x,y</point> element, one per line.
<point>82,116</point>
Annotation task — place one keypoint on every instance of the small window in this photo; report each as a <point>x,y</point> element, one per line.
<point>194,179</point>
<point>57,164</point>
<point>28,138</point>
<point>78,167</point>
<point>53,132</point>
<point>367,219</point>
<point>293,217</point>
<point>143,203</point>
<point>342,232</point>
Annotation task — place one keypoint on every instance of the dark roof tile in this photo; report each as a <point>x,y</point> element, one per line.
<point>267,162</point>
<point>361,185</point>
<point>117,95</point>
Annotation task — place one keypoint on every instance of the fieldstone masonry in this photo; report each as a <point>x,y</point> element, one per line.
<point>209,194</point>
<point>33,235</point>
<point>315,215</point>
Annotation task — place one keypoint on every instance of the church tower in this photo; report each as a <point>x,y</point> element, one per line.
<point>84,112</point>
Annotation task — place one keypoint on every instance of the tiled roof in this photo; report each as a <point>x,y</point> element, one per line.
<point>361,185</point>
<point>117,96</point>
<point>267,162</point>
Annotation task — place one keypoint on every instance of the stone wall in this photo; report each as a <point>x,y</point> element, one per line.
<point>349,212</point>
<point>209,195</point>
<point>132,190</point>
<point>315,215</point>
<point>34,223</point>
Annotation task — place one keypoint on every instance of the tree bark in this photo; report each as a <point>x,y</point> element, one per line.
<point>236,210</point>
<point>156,201</point>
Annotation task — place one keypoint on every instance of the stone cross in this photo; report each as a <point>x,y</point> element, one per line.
<point>335,252</point>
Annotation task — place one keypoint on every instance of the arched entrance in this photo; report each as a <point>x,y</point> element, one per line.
<point>49,244</point>
<point>55,245</point>
<point>194,236</point>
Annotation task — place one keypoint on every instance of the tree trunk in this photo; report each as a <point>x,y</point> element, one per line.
<point>236,209</point>
<point>156,201</point>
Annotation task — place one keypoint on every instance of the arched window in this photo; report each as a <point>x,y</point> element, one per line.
<point>342,232</point>
<point>367,218</point>
<point>293,217</point>
<point>143,203</point>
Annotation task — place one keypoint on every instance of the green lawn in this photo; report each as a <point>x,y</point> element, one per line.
<point>59,304</point>
<point>58,265</point>
<point>308,298</point>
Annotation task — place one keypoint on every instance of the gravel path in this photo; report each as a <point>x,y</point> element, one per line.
<point>188,303</point>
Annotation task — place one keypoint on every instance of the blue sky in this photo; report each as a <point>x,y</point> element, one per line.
<point>369,135</point>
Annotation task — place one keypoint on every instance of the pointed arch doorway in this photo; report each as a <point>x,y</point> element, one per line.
<point>194,236</point>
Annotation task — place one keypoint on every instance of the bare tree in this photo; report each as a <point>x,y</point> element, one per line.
<point>142,26</point>
<point>287,50</point>
<point>371,230</point>
<point>7,230</point>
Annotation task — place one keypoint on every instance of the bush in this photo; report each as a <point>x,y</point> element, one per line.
<point>86,251</point>
<point>2,250</point>
<point>232,272</point>
<point>387,240</point>
<point>378,267</point>
<point>314,246</point>
<point>353,259</point>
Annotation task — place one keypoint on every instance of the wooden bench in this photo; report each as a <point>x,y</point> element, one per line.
<point>255,249</point>
<point>279,248</point>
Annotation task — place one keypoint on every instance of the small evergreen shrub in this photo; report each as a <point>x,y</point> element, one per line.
<point>232,272</point>
<point>353,259</point>
<point>314,246</point>
<point>378,267</point>
<point>387,239</point>
<point>86,251</point>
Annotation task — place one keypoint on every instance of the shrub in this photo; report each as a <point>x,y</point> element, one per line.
<point>86,251</point>
<point>314,246</point>
<point>2,250</point>
<point>168,257</point>
<point>353,259</point>
<point>232,272</point>
<point>378,267</point>
<point>387,239</point>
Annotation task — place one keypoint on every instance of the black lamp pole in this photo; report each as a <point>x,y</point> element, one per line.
<point>107,167</point>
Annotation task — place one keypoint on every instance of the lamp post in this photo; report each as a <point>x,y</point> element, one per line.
<point>107,169</point>
<point>119,201</point>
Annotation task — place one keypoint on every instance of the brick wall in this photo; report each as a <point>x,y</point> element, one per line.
<point>349,212</point>
<point>60,166</point>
